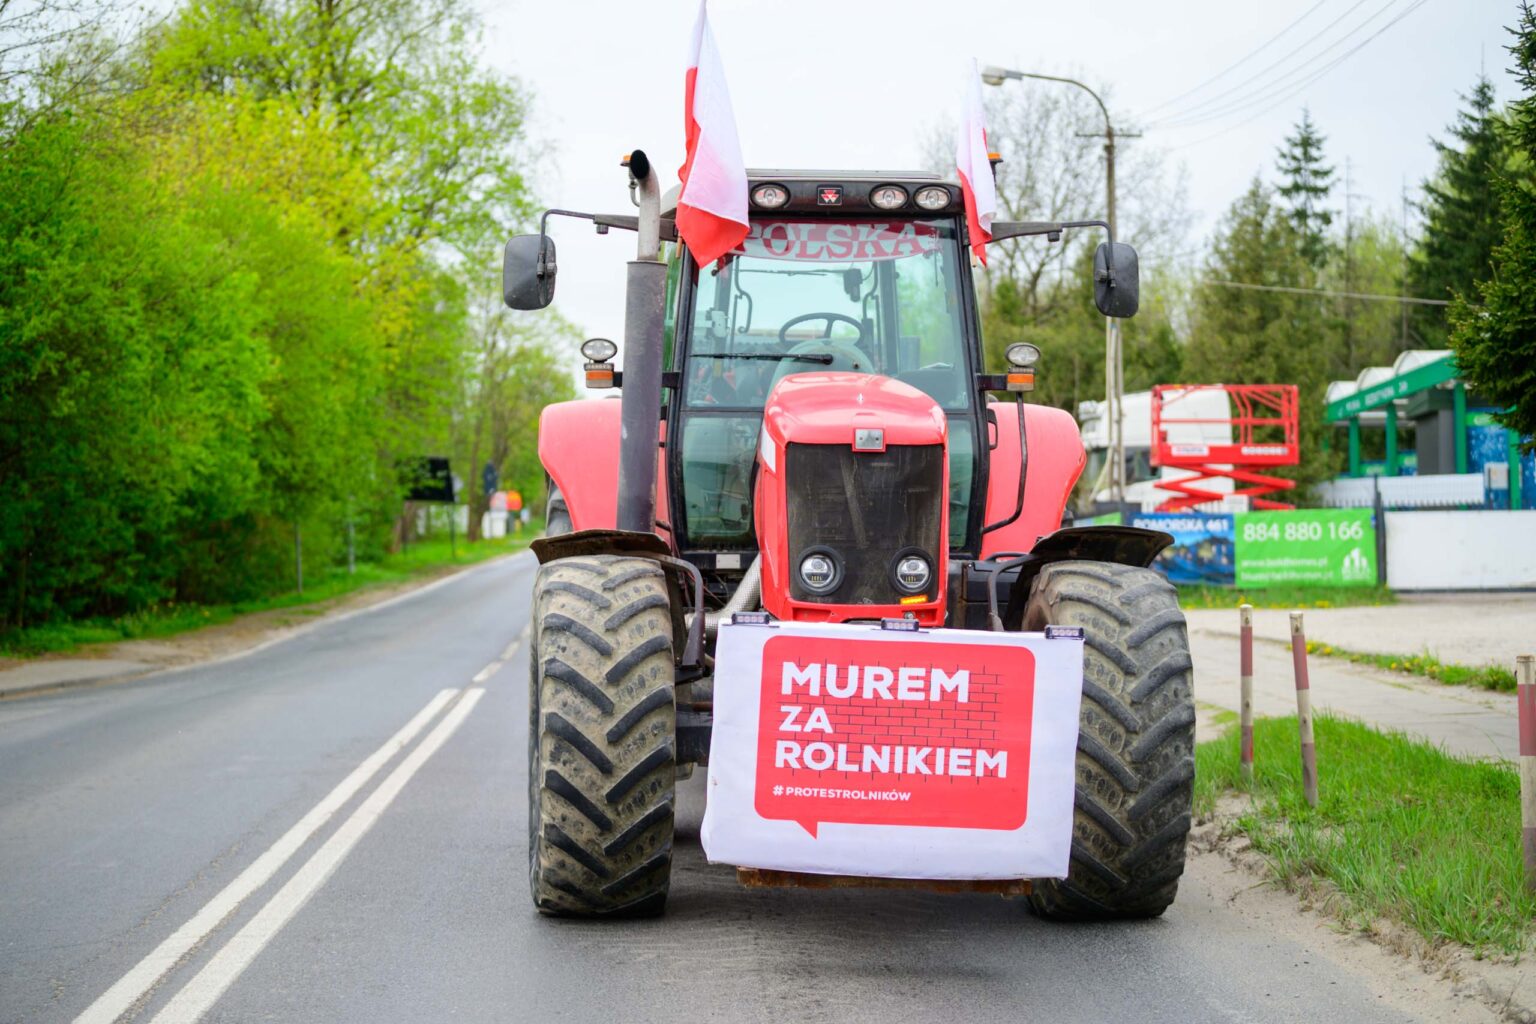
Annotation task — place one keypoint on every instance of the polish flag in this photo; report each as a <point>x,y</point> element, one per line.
<point>975,168</point>
<point>712,207</point>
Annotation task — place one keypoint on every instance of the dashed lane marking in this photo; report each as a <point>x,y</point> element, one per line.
<point>485,674</point>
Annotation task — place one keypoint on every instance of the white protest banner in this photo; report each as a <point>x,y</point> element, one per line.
<point>848,749</point>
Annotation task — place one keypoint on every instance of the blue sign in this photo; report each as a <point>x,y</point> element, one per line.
<point>1202,546</point>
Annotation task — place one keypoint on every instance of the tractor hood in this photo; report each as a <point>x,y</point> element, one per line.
<point>852,474</point>
<point>845,408</point>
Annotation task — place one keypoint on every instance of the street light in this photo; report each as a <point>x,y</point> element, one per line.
<point>1114,365</point>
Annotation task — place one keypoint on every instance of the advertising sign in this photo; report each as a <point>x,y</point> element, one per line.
<point>1329,546</point>
<point>1202,549</point>
<point>848,749</point>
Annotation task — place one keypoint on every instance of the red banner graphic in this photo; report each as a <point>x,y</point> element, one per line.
<point>888,733</point>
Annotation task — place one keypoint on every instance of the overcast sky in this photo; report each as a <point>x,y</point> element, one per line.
<point>857,83</point>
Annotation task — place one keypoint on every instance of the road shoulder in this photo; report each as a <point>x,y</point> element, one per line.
<point>1444,982</point>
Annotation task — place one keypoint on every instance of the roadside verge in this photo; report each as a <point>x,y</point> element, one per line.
<point>1409,847</point>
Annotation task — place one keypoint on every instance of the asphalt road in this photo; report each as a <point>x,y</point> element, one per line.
<point>256,841</point>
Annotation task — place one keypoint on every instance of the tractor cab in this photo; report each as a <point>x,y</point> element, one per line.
<point>840,274</point>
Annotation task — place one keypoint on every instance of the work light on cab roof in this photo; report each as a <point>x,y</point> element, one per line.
<point>770,196</point>
<point>888,197</point>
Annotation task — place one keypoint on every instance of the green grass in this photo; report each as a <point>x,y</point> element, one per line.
<point>1489,677</point>
<point>1284,597</point>
<point>321,587</point>
<point>1402,831</point>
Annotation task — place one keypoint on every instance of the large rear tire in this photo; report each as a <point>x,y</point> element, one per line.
<point>1135,747</point>
<point>601,738</point>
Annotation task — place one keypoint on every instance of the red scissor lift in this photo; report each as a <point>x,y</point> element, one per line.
<point>1264,432</point>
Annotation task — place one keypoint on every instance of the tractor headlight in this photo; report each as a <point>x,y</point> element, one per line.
<point>912,572</point>
<point>932,197</point>
<point>888,197</point>
<point>770,197</point>
<point>819,572</point>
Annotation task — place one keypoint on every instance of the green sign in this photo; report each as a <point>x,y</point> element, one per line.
<point>1329,546</point>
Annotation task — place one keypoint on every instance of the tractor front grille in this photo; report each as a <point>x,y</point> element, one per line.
<point>864,507</point>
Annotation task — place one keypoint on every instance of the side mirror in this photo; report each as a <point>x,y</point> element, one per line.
<point>1116,280</point>
<point>528,272</point>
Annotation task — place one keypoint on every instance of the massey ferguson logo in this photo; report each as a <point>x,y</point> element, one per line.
<point>829,195</point>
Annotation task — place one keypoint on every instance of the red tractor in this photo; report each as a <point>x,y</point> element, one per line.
<point>806,430</point>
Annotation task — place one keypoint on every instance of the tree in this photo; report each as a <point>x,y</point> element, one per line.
<point>132,372</point>
<point>517,368</point>
<point>233,291</point>
<point>1305,185</point>
<point>1370,259</point>
<point>1494,337</point>
<point>1462,209</point>
<point>1040,292</point>
<point>1249,336</point>
<point>443,139</point>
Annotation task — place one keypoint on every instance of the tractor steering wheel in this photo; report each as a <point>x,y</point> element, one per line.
<point>830,318</point>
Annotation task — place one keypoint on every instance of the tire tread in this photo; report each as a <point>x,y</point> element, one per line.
<point>1135,768</point>
<point>602,761</point>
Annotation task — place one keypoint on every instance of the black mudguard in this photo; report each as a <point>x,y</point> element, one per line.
<point>1123,545</point>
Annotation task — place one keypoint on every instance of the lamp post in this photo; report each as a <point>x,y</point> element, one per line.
<point>1114,362</point>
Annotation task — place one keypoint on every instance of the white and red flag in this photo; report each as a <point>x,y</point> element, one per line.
<point>973,161</point>
<point>712,206</point>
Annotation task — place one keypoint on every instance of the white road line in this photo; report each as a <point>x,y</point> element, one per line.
<point>199,995</point>
<point>522,638</point>
<point>485,674</point>
<point>132,986</point>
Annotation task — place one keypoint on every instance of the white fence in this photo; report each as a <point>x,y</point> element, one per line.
<point>1439,490</point>
<point>1477,549</point>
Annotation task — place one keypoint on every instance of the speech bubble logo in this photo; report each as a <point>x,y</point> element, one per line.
<point>894,732</point>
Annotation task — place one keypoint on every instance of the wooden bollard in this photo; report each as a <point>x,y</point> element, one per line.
<point>1525,693</point>
<point>1304,710</point>
<point>1245,687</point>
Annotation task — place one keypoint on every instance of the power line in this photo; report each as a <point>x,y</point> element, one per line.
<point>1366,296</point>
<point>1241,61</point>
<point>1270,67</point>
<point>1269,89</point>
<point>1302,85</point>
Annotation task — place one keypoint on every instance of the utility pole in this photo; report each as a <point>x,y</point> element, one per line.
<point>1114,357</point>
<point>1402,339</point>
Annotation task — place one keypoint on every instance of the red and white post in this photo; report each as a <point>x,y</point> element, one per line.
<point>1525,691</point>
<point>1304,710</point>
<point>1245,686</point>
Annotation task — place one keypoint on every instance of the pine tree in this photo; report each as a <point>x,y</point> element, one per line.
<point>1495,342</point>
<point>1254,336</point>
<point>1305,185</point>
<point>1461,208</point>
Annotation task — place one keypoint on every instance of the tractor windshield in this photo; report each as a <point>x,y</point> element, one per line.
<point>846,295</point>
<point>867,296</point>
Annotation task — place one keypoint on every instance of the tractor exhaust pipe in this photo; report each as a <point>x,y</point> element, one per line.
<point>644,324</point>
